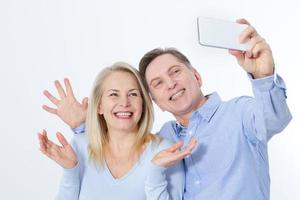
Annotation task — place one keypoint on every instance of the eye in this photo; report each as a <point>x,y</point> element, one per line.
<point>114,94</point>
<point>175,71</point>
<point>157,83</point>
<point>133,94</point>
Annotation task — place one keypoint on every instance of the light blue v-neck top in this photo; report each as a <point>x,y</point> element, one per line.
<point>88,182</point>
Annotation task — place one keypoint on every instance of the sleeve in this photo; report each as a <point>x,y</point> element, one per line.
<point>69,187</point>
<point>79,129</point>
<point>267,113</point>
<point>165,183</point>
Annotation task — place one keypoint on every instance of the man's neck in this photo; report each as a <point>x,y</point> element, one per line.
<point>184,118</point>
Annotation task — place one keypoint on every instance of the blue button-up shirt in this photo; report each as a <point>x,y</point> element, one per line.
<point>231,159</point>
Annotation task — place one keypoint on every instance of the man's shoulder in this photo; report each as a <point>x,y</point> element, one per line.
<point>167,127</point>
<point>168,131</point>
<point>168,124</point>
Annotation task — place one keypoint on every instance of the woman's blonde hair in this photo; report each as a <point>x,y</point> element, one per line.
<point>96,127</point>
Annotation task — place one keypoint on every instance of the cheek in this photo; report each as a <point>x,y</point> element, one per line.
<point>139,106</point>
<point>106,106</point>
<point>158,95</point>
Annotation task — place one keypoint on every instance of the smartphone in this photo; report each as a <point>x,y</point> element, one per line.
<point>220,33</point>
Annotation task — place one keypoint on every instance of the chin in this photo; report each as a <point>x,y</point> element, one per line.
<point>126,127</point>
<point>182,109</point>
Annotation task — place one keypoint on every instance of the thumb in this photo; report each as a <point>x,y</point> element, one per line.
<point>238,55</point>
<point>175,146</point>
<point>62,139</point>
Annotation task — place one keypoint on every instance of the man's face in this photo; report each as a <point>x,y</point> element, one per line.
<point>174,87</point>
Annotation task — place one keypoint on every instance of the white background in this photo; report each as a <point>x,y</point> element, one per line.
<point>41,41</point>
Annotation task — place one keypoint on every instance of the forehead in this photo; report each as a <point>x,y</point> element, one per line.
<point>160,65</point>
<point>120,80</point>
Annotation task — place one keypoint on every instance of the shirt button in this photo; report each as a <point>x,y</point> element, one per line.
<point>197,182</point>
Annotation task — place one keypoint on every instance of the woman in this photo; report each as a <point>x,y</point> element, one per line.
<point>114,159</point>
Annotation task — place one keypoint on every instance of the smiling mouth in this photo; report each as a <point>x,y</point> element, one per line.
<point>123,115</point>
<point>177,95</point>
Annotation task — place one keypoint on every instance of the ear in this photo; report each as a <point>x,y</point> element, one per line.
<point>100,110</point>
<point>198,77</point>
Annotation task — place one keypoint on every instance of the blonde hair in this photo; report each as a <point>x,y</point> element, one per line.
<point>96,127</point>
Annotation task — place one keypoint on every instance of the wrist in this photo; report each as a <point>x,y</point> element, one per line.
<point>77,124</point>
<point>70,165</point>
<point>257,75</point>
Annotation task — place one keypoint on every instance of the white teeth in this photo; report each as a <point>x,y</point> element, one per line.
<point>178,94</point>
<point>123,114</point>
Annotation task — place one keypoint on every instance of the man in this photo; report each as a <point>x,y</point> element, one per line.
<point>231,161</point>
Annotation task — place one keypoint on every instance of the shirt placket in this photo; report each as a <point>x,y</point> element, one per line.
<point>186,134</point>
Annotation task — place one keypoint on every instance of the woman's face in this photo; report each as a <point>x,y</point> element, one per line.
<point>121,104</point>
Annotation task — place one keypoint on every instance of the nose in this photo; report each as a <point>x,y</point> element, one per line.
<point>171,83</point>
<point>124,101</point>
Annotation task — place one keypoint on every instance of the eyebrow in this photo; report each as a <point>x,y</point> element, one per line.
<point>156,78</point>
<point>116,90</point>
<point>112,90</point>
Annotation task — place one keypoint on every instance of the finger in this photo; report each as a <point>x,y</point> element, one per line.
<point>243,21</point>
<point>42,142</point>
<point>247,34</point>
<point>49,144</point>
<point>180,155</point>
<point>54,100</point>
<point>191,145</point>
<point>258,48</point>
<point>238,55</point>
<point>85,102</point>
<point>50,110</point>
<point>235,52</point>
<point>62,139</point>
<point>189,148</point>
<point>68,86</point>
<point>43,138</point>
<point>175,146</point>
<point>46,146</point>
<point>60,89</point>
<point>252,43</point>
<point>45,135</point>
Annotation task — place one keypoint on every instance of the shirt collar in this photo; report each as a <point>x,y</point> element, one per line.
<point>206,111</point>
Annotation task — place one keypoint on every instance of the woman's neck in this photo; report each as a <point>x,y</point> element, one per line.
<point>120,141</point>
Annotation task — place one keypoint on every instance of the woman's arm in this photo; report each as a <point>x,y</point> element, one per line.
<point>65,156</point>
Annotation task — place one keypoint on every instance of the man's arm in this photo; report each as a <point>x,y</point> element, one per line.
<point>67,108</point>
<point>268,112</point>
